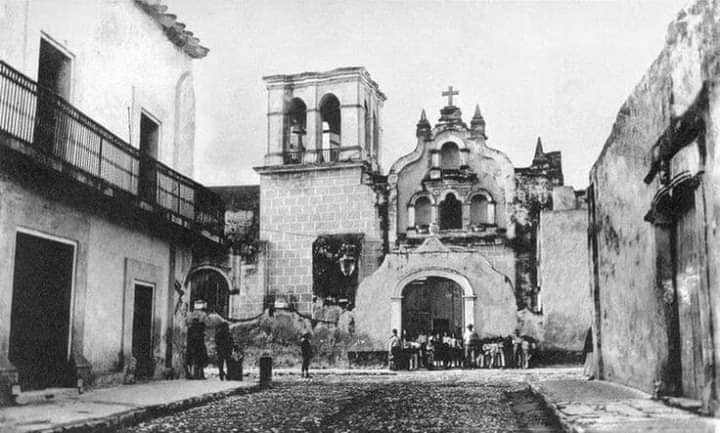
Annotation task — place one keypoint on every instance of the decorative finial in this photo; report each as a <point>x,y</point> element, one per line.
<point>477,124</point>
<point>478,114</point>
<point>423,126</point>
<point>539,154</point>
<point>538,148</point>
<point>449,93</point>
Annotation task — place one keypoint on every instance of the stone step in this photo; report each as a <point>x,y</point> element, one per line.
<point>45,395</point>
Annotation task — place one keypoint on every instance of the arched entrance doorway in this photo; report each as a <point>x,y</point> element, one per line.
<point>210,285</point>
<point>432,305</point>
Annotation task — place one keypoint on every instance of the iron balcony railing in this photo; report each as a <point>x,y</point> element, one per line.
<point>41,119</point>
<point>310,156</point>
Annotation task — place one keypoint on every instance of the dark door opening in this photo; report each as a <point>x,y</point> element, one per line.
<point>432,306</point>
<point>149,142</point>
<point>142,349</point>
<point>40,315</point>
<point>209,286</point>
<point>54,73</point>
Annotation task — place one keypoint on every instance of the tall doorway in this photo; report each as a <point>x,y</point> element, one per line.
<point>142,348</point>
<point>210,286</point>
<point>432,305</point>
<point>40,315</point>
<point>54,80</point>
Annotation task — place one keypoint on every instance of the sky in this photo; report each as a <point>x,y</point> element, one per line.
<point>555,69</point>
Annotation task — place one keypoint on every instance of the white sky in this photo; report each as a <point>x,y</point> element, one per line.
<point>559,69</point>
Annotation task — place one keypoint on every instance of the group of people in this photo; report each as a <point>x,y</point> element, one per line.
<point>427,350</point>
<point>196,354</point>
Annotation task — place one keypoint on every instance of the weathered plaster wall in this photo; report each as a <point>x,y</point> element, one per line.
<point>563,278</point>
<point>110,294</point>
<point>102,294</point>
<point>493,168</point>
<point>489,274</point>
<point>632,325</point>
<point>20,208</point>
<point>297,207</point>
<point>121,60</point>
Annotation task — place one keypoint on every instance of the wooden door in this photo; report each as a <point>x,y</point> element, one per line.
<point>40,317</point>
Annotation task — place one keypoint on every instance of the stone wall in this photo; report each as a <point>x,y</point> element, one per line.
<point>564,278</point>
<point>297,207</point>
<point>630,323</point>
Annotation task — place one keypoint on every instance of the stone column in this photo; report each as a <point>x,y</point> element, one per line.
<point>435,157</point>
<point>350,128</point>
<point>491,212</point>
<point>469,306</point>
<point>396,313</point>
<point>313,134</point>
<point>464,153</point>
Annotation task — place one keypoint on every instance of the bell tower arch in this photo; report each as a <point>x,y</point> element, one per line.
<point>341,122</point>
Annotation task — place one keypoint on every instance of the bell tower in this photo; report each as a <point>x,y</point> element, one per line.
<point>324,117</point>
<point>320,186</point>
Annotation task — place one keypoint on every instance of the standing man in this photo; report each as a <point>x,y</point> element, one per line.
<point>223,348</point>
<point>306,350</point>
<point>469,343</point>
<point>588,367</point>
<point>395,348</point>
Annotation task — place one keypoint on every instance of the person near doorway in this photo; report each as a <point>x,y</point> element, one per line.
<point>589,359</point>
<point>516,342</point>
<point>306,352</point>
<point>468,342</point>
<point>196,350</point>
<point>431,352</point>
<point>395,347</point>
<point>223,348</point>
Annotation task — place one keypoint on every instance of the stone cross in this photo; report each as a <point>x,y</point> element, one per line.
<point>450,92</point>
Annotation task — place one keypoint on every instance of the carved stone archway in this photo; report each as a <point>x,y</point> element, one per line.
<point>468,293</point>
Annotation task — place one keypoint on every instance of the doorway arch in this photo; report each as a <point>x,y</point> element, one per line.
<point>432,306</point>
<point>466,290</point>
<point>212,285</point>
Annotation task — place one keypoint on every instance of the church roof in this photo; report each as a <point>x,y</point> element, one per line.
<point>333,73</point>
<point>174,29</point>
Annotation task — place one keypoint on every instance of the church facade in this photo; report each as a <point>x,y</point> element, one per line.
<point>448,238</point>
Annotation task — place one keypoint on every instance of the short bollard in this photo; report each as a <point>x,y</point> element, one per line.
<point>265,371</point>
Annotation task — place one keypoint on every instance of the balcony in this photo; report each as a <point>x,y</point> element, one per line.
<point>319,156</point>
<point>39,124</point>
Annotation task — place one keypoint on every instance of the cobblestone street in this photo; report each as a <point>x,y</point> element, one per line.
<point>446,401</point>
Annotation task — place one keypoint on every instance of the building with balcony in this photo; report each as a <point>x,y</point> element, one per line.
<point>101,224</point>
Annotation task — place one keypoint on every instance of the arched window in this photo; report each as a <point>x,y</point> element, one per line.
<point>482,210</point>
<point>450,156</point>
<point>423,212</point>
<point>450,213</point>
<point>295,127</point>
<point>330,115</point>
<point>368,132</point>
